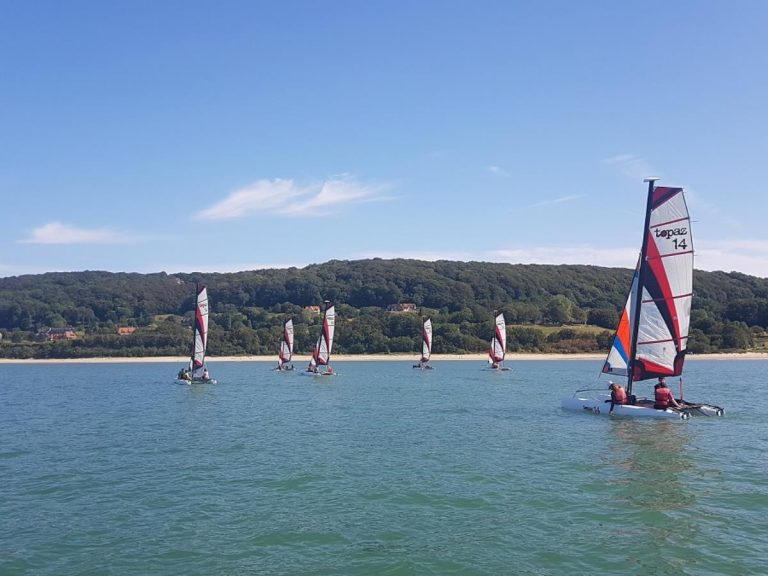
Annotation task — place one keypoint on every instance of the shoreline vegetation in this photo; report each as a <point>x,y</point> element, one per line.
<point>380,305</point>
<point>511,358</point>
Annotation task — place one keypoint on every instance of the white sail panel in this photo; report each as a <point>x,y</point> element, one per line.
<point>330,326</point>
<point>499,340</point>
<point>201,328</point>
<point>426,344</point>
<point>655,345</point>
<point>286,346</point>
<point>325,341</point>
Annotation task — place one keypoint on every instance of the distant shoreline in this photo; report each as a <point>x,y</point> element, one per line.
<point>362,358</point>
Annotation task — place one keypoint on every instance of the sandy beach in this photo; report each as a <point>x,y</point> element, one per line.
<point>367,358</point>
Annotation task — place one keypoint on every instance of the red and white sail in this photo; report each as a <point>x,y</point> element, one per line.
<point>200,339</point>
<point>499,341</point>
<point>665,287</point>
<point>426,340</point>
<point>286,346</point>
<point>321,355</point>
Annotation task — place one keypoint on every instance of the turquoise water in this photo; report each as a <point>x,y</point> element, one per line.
<point>116,469</point>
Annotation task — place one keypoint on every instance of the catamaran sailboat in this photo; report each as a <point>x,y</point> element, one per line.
<point>286,348</point>
<point>199,342</point>
<point>498,348</point>
<point>426,345</point>
<point>652,335</point>
<point>321,355</point>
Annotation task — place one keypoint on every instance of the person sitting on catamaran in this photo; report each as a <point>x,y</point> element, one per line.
<point>663,396</point>
<point>206,376</point>
<point>184,375</point>
<point>618,395</point>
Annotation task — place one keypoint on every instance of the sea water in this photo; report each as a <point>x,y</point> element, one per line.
<point>117,469</point>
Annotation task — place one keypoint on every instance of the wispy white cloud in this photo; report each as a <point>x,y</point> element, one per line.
<point>212,268</point>
<point>632,165</point>
<point>338,192</point>
<point>747,256</point>
<point>556,200</point>
<point>287,198</point>
<point>498,170</point>
<point>427,255</point>
<point>58,233</point>
<point>610,257</point>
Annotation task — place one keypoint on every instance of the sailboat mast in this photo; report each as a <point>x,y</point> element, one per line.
<point>640,283</point>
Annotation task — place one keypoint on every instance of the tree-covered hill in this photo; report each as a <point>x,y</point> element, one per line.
<point>548,308</point>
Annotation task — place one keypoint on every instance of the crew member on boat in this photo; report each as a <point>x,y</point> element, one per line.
<point>206,376</point>
<point>618,395</point>
<point>663,395</point>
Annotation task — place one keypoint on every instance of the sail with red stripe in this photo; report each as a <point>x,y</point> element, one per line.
<point>426,344</point>
<point>286,346</point>
<point>498,348</point>
<point>665,287</point>
<point>321,355</point>
<point>200,329</point>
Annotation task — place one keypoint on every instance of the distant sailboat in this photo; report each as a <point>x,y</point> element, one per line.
<point>321,355</point>
<point>286,348</point>
<point>426,345</point>
<point>652,336</point>
<point>498,349</point>
<point>199,341</point>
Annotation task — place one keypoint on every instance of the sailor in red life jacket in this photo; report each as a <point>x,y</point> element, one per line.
<point>618,395</point>
<point>664,398</point>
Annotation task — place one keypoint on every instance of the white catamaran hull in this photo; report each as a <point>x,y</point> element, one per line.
<point>318,374</point>
<point>197,381</point>
<point>598,405</point>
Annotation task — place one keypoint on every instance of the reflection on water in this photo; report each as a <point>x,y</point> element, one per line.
<point>652,493</point>
<point>653,455</point>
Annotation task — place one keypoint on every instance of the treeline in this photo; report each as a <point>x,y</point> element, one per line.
<point>548,308</point>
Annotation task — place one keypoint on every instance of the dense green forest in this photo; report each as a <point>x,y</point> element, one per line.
<point>548,309</point>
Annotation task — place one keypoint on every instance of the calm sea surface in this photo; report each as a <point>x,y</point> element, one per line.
<point>116,469</point>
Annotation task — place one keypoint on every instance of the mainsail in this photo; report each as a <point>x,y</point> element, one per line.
<point>286,346</point>
<point>652,336</point>
<point>426,344</point>
<point>499,341</point>
<point>321,355</point>
<point>200,330</point>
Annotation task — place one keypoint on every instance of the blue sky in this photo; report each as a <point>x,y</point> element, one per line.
<point>219,136</point>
